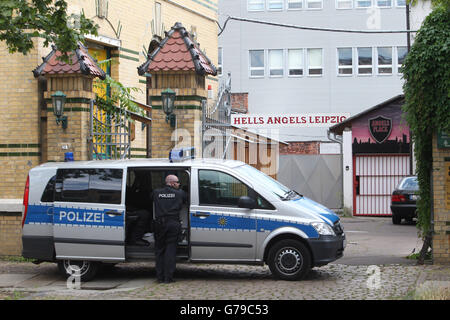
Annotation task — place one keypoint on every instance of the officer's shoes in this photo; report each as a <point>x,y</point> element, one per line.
<point>169,281</point>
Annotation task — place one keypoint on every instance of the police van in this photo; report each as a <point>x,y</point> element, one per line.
<point>80,215</point>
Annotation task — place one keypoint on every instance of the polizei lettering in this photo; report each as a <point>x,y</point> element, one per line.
<point>84,217</point>
<point>166,195</point>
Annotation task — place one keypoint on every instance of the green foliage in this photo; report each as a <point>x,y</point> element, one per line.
<point>427,82</point>
<point>445,3</point>
<point>22,20</point>
<point>119,98</point>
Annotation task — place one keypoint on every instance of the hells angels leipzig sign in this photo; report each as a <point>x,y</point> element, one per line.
<point>380,128</point>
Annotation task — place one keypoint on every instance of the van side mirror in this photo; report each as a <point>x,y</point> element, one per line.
<point>246,202</point>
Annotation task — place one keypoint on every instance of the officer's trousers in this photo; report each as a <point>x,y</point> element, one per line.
<point>166,238</point>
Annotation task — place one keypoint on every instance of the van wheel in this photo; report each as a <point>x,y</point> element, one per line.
<point>289,260</point>
<point>86,270</point>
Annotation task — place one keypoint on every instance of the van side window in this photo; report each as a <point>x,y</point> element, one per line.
<point>221,189</point>
<point>89,185</point>
<point>105,186</point>
<point>48,194</point>
<point>218,188</point>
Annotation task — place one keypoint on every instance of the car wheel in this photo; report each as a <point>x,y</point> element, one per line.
<point>289,260</point>
<point>396,219</point>
<point>84,270</point>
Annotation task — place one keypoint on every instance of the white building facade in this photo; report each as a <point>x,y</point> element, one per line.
<point>296,72</point>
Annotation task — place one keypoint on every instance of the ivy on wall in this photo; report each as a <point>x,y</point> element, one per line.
<point>427,105</point>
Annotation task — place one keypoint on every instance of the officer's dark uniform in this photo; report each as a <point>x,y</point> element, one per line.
<point>168,203</point>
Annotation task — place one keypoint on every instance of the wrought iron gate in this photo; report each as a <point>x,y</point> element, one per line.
<point>216,128</point>
<point>375,177</point>
<point>109,136</point>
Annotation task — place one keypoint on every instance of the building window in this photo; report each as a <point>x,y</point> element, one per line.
<point>363,3</point>
<point>364,61</point>
<point>220,62</point>
<point>314,4</point>
<point>400,3</point>
<point>295,62</point>
<point>256,63</point>
<point>344,4</point>
<point>384,3</point>
<point>294,4</point>
<point>276,63</point>
<point>384,60</point>
<point>401,55</point>
<point>315,62</point>
<point>275,4</point>
<point>255,5</point>
<point>345,61</point>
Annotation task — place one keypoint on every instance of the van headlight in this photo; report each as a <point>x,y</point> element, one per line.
<point>323,228</point>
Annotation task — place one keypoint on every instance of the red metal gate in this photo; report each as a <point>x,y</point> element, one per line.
<point>374,179</point>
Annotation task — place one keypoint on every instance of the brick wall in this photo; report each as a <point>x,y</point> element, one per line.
<point>10,233</point>
<point>300,147</point>
<point>239,102</point>
<point>441,192</point>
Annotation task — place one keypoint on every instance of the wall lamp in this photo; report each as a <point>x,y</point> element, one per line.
<point>168,106</point>
<point>58,101</point>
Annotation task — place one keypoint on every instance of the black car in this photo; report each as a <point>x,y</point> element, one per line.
<point>403,200</point>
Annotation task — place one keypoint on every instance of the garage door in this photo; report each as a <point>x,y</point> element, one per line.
<point>375,177</point>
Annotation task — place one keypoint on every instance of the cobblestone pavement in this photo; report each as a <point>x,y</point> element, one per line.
<point>224,282</point>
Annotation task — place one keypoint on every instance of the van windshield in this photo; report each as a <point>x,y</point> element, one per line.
<point>271,184</point>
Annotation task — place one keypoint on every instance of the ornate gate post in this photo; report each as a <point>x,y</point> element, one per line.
<point>177,64</point>
<point>74,80</point>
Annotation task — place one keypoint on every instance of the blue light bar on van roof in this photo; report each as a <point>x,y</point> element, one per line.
<point>181,154</point>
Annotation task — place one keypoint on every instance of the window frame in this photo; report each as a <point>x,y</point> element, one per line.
<point>269,2</point>
<point>400,5</point>
<point>356,6</point>
<point>339,67</point>
<point>302,50</point>
<point>269,64</point>
<point>313,1</point>
<point>220,61</point>
<point>341,1</point>
<point>398,64</point>
<point>365,66</point>
<point>250,68</point>
<point>263,2</point>
<point>308,64</point>
<point>378,66</point>
<point>383,7</point>
<point>295,1</point>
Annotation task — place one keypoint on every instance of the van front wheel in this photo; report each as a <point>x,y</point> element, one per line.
<point>81,269</point>
<point>289,260</point>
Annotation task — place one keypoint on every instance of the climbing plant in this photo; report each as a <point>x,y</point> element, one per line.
<point>426,71</point>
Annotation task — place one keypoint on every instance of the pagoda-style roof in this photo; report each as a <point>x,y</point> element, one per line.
<point>178,52</point>
<point>79,62</point>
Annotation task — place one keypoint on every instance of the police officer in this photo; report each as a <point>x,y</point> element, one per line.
<point>168,203</point>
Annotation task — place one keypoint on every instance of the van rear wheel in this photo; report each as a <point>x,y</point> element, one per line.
<point>82,269</point>
<point>289,260</point>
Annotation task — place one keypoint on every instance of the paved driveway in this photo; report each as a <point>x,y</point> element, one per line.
<point>373,267</point>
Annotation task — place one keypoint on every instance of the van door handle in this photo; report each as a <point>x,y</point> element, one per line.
<point>113,213</point>
<point>201,214</point>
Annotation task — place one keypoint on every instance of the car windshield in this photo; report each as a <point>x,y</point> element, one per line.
<point>269,183</point>
<point>409,184</point>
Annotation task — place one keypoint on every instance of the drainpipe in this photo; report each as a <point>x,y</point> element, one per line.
<point>338,139</point>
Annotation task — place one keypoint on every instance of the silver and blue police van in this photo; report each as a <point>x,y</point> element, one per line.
<point>80,215</point>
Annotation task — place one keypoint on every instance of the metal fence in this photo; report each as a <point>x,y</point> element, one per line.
<point>109,134</point>
<point>318,177</point>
